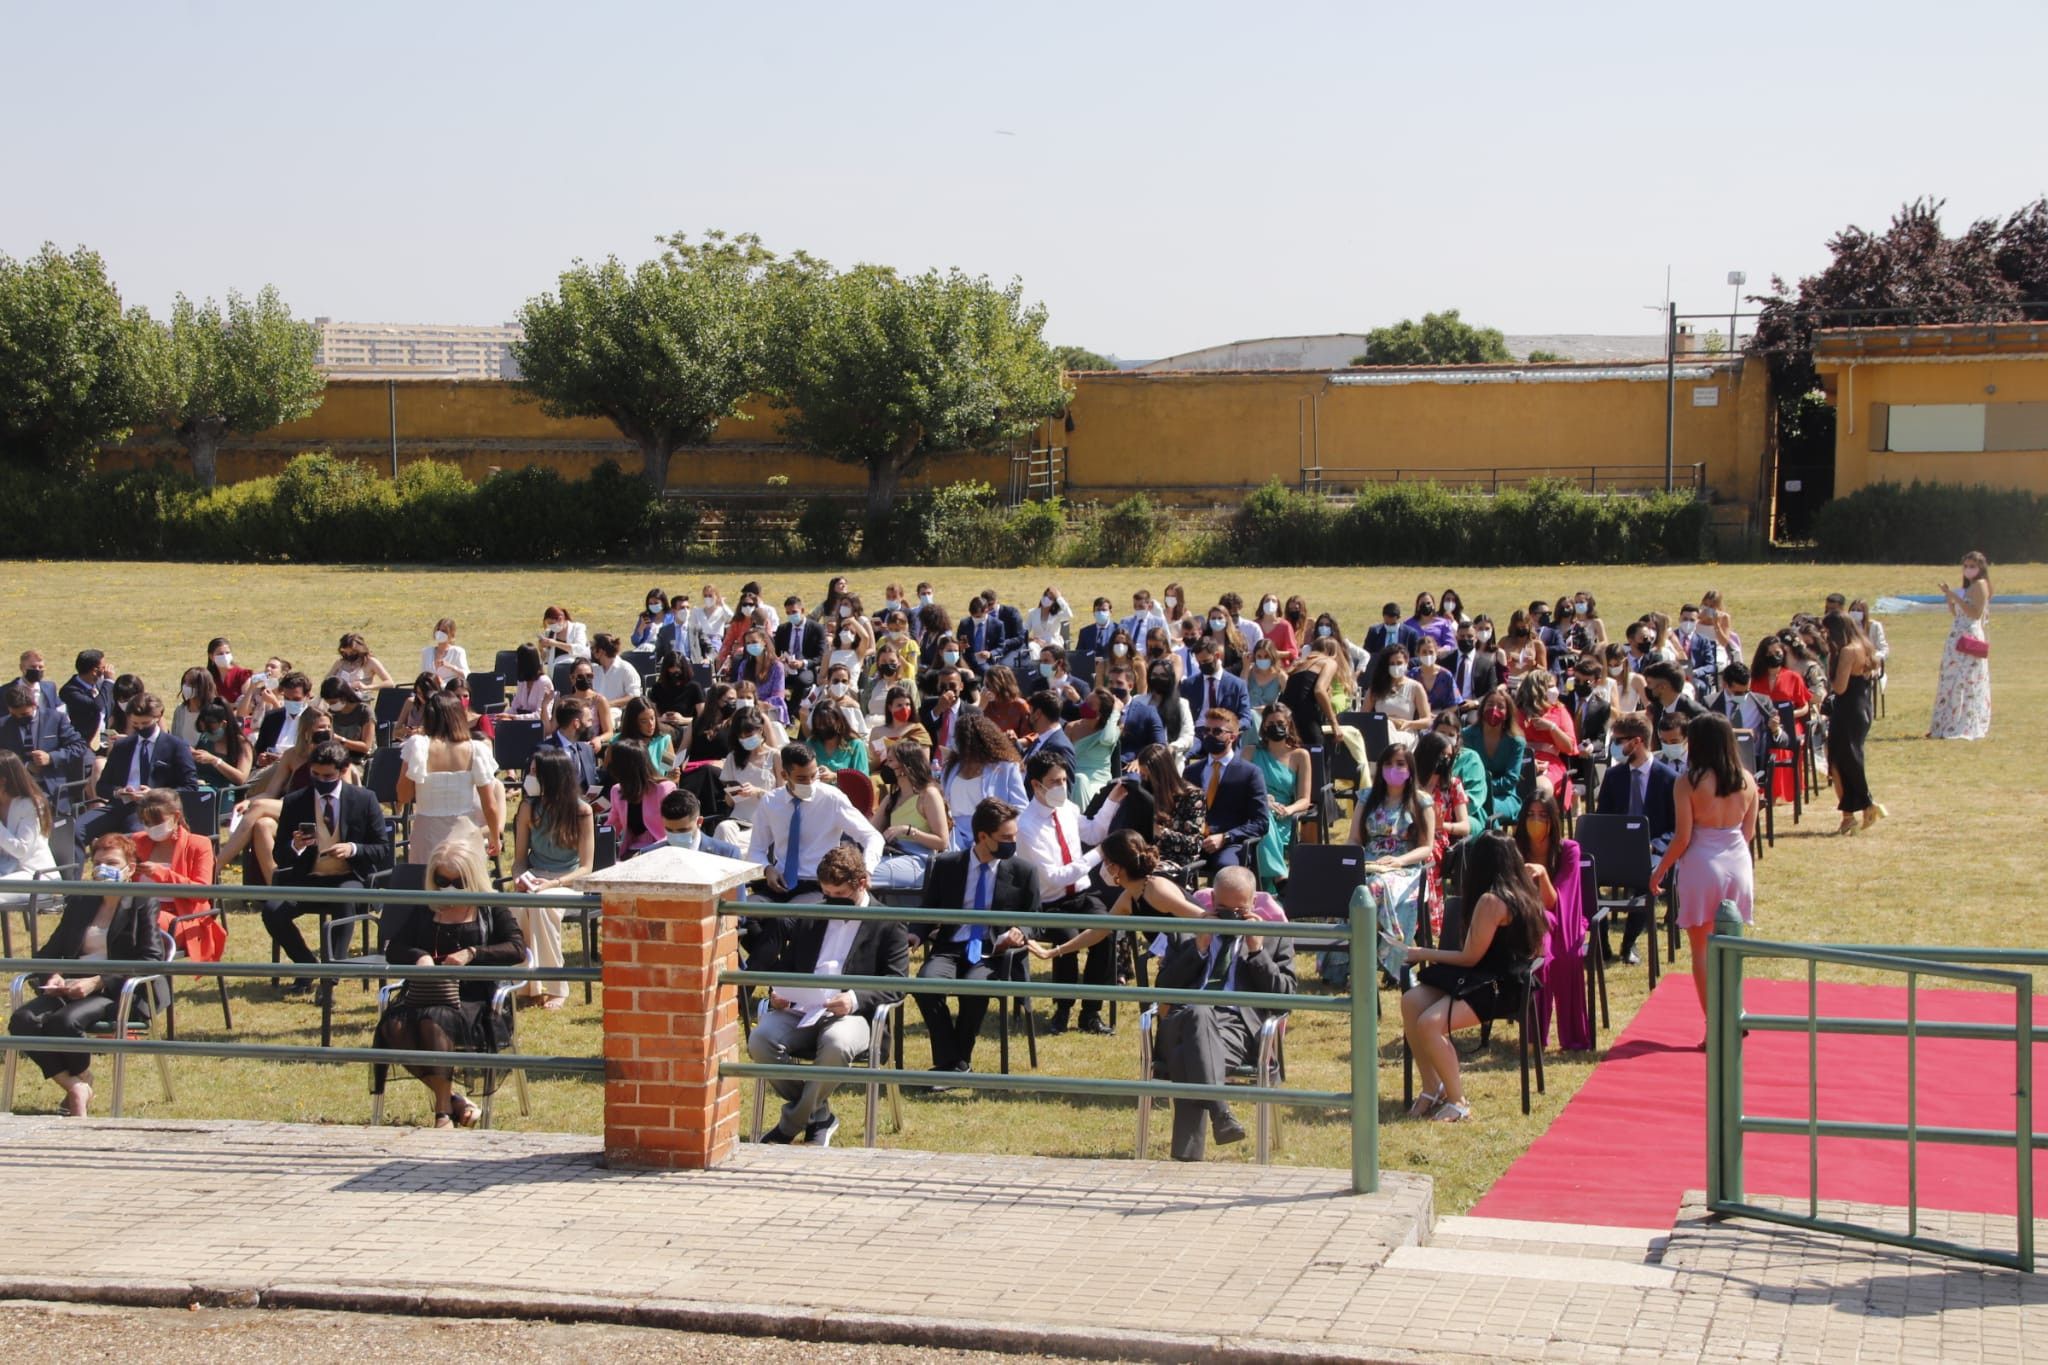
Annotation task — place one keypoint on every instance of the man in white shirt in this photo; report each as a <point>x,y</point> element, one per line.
<point>1049,843</point>
<point>801,821</point>
<point>831,1027</point>
<point>1247,630</point>
<point>610,678</point>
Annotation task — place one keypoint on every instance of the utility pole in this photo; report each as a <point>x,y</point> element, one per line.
<point>1670,390</point>
<point>1736,279</point>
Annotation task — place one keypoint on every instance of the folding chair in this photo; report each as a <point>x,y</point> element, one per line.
<point>1322,812</point>
<point>1527,1041</point>
<point>884,1038</point>
<point>486,693</point>
<point>505,667</point>
<point>644,661</point>
<point>1787,752</point>
<point>31,911</point>
<point>201,808</point>
<point>501,1006</point>
<point>390,701</point>
<point>858,788</point>
<point>515,744</point>
<point>1268,1070</point>
<point>391,916</point>
<point>380,776</point>
<point>124,1026</point>
<point>559,675</point>
<point>1619,846</point>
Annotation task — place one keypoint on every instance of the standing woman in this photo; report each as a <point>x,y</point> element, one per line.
<point>1715,802</point>
<point>1853,670</point>
<point>1962,698</point>
<point>1554,864</point>
<point>554,845</point>
<point>451,780</point>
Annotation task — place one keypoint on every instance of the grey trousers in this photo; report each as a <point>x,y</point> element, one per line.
<point>1199,1044</point>
<point>778,1037</point>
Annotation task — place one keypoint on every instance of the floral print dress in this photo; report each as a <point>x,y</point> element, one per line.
<point>1962,697</point>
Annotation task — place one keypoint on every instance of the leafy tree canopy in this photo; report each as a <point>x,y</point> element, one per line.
<point>77,371</point>
<point>243,370</point>
<point>1439,339</point>
<point>1081,358</point>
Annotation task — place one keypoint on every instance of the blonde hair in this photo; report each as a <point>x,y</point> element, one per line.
<point>458,858</point>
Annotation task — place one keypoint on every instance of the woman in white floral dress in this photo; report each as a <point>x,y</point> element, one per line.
<point>1962,698</point>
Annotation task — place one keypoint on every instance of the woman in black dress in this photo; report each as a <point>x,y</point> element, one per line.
<point>1850,707</point>
<point>451,1016</point>
<point>1464,987</point>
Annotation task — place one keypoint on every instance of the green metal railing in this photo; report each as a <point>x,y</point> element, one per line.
<point>1728,1124</point>
<point>1361,1101</point>
<point>318,971</point>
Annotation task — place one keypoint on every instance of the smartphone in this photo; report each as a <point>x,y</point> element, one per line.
<point>306,828</point>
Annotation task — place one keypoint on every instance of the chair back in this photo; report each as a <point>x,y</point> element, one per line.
<point>390,701</point>
<point>1372,725</point>
<point>515,744</point>
<point>393,916</point>
<point>506,666</point>
<point>858,788</point>
<point>202,812</point>
<point>486,692</point>
<point>559,675</point>
<point>1589,887</point>
<point>1320,880</point>
<point>702,673</point>
<point>380,774</point>
<point>644,662</point>
<point>604,848</point>
<point>1619,845</point>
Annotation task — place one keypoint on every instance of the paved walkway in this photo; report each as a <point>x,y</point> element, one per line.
<point>1113,1258</point>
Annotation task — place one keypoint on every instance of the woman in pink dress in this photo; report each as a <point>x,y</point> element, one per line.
<point>1716,820</point>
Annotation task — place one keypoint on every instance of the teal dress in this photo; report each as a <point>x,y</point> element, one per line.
<point>1283,787</point>
<point>1094,757</point>
<point>1503,769</point>
<point>1471,775</point>
<point>853,754</point>
<point>1264,685</point>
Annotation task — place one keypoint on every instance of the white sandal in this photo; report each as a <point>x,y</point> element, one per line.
<point>1426,1103</point>
<point>1452,1111</point>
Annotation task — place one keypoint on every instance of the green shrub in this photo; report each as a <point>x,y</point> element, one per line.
<point>824,532</point>
<point>1932,523</point>
<point>1031,533</point>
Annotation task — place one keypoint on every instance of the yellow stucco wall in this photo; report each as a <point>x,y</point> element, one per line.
<point>1853,387</point>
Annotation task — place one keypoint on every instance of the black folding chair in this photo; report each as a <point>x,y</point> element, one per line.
<point>380,776</point>
<point>1786,752</point>
<point>1596,943</point>
<point>559,675</point>
<point>1619,846</point>
<point>379,926</point>
<point>515,742</point>
<point>644,662</point>
<point>505,667</point>
<point>201,806</point>
<point>390,701</point>
<point>1322,811</point>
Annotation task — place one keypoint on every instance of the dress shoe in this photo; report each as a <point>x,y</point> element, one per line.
<point>1227,1129</point>
<point>819,1132</point>
<point>1099,1026</point>
<point>778,1137</point>
<point>1054,1026</point>
<point>1634,958</point>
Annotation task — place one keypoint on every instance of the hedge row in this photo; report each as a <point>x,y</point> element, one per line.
<point>323,509</point>
<point>1932,523</point>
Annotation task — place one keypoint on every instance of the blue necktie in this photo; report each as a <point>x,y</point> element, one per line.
<point>1639,778</point>
<point>144,767</point>
<point>796,834</point>
<point>977,932</point>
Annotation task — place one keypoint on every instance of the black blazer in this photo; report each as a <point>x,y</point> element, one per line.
<point>1591,713</point>
<point>1485,674</point>
<point>1269,971</point>
<point>580,753</point>
<point>504,945</point>
<point>170,765</point>
<point>361,823</point>
<point>132,937</point>
<point>808,642</point>
<point>88,707</point>
<point>1013,888</point>
<point>928,716</point>
<point>880,948</point>
<point>52,732</point>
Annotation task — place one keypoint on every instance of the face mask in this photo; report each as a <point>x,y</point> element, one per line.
<point>583,684</point>
<point>846,637</point>
<point>1464,646</point>
<point>1392,622</point>
<point>803,791</point>
<point>1046,670</point>
<point>1617,755</point>
<point>32,675</point>
<point>1007,849</point>
<point>1263,665</point>
<point>160,832</point>
<point>1101,618</point>
<point>327,788</point>
<point>1675,752</point>
<point>1119,650</point>
<point>1215,744</point>
<point>754,648</point>
<point>887,668</point>
<point>950,656</point>
<point>532,785</point>
<point>1485,637</point>
<point>1055,793</point>
<point>900,714</point>
<point>1426,660</point>
<point>684,838</point>
<point>1211,669</point>
<point>1324,632</point>
<point>1397,671</point>
<point>1269,606</point>
<point>1395,778</point>
<point>1122,694</point>
<point>1045,604</point>
<point>440,637</point>
<point>1774,661</point>
<point>188,692</point>
<point>1172,602</point>
<point>924,599</point>
<point>1687,627</point>
<point>1218,622</point>
<point>845,610</point>
<point>213,736</point>
<point>1579,608</point>
<point>293,708</point>
<point>1425,612</point>
<point>1857,617</point>
<point>750,742</point>
<point>1616,670</point>
<point>1539,829</point>
<point>223,659</point>
<point>1496,717</point>
<point>107,872</point>
<point>837,689</point>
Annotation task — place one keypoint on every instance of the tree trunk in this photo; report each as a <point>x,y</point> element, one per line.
<point>655,453</point>
<point>883,475</point>
<point>203,445</point>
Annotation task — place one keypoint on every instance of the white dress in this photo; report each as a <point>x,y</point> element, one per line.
<point>24,851</point>
<point>446,804</point>
<point>1962,696</point>
<point>1401,706</point>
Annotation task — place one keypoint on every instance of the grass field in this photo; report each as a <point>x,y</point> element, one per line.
<point>1956,864</point>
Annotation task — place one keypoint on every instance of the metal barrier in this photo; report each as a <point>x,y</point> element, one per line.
<point>1594,478</point>
<point>1361,1101</point>
<point>1727,1124</point>
<point>318,971</point>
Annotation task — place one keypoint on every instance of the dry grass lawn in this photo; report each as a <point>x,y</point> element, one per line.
<point>1956,864</point>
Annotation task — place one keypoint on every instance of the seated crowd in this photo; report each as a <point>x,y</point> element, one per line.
<point>1159,762</point>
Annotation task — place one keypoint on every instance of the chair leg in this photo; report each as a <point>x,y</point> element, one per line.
<point>7,1081</point>
<point>227,1015</point>
<point>489,1105</point>
<point>120,1082</point>
<point>519,1089</point>
<point>590,955</point>
<point>163,1071</point>
<point>1144,1073</point>
<point>760,1101</point>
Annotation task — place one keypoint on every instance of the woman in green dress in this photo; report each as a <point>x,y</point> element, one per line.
<point>1095,737</point>
<point>1284,762</point>
<point>832,739</point>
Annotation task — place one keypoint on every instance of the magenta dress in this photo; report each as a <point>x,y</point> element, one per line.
<point>1564,960</point>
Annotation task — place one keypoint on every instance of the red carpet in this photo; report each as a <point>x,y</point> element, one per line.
<point>1634,1139</point>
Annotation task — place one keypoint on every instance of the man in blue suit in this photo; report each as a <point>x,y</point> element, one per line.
<point>572,737</point>
<point>1234,790</point>
<point>1638,783</point>
<point>1093,640</point>
<point>1211,687</point>
<point>1392,630</point>
<point>981,635</point>
<point>41,735</point>
<point>33,674</point>
<point>1048,731</point>
<point>88,697</point>
<point>147,756</point>
<point>1702,658</point>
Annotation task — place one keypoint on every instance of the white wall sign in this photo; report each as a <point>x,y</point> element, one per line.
<point>1706,396</point>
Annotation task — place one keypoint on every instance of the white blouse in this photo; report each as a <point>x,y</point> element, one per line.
<point>24,848</point>
<point>448,793</point>
<point>454,665</point>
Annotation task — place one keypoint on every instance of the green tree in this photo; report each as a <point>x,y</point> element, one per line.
<point>883,371</point>
<point>245,370</point>
<point>77,371</point>
<point>666,350</point>
<point>1540,357</point>
<point>1081,358</point>
<point>1439,339</point>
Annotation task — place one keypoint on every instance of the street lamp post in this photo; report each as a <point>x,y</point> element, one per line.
<point>1736,279</point>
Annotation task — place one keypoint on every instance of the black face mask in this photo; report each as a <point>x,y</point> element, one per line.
<point>31,675</point>
<point>839,900</point>
<point>1007,849</point>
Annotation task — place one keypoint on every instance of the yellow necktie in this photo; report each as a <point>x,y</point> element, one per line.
<point>1215,780</point>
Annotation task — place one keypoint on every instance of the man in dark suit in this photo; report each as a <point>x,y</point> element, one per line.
<point>33,673</point>
<point>572,737</point>
<point>147,756</point>
<point>800,644</point>
<point>331,833</point>
<point>1049,733</point>
<point>279,729</point>
<point>42,737</point>
<point>1211,687</point>
<point>1199,1044</point>
<point>1639,784</point>
<point>1476,670</point>
<point>1010,619</point>
<point>1589,706</point>
<point>942,713</point>
<point>986,876</point>
<point>88,695</point>
<point>1234,790</point>
<point>833,1029</point>
<point>1392,631</point>
<point>1093,641</point>
<point>981,636</point>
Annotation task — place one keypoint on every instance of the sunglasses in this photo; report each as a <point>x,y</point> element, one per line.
<point>441,883</point>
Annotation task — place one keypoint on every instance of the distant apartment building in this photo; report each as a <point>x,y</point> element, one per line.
<point>416,350</point>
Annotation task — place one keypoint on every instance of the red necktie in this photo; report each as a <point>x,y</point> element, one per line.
<point>1066,851</point>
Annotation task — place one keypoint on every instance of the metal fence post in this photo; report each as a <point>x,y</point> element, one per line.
<point>1365,1048</point>
<point>1724,1058</point>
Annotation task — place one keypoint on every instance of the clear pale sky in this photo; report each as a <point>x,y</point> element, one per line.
<point>1162,176</point>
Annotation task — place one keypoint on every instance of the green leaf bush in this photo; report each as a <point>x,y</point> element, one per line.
<point>1931,523</point>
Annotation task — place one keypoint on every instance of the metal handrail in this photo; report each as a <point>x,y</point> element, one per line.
<point>1728,1124</point>
<point>315,895</point>
<point>1646,476</point>
<point>1361,1101</point>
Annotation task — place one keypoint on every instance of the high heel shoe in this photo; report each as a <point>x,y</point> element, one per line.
<point>1849,825</point>
<point>1875,814</point>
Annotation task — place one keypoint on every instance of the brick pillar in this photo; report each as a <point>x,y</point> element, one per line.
<point>666,1023</point>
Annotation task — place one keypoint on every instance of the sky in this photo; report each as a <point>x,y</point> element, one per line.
<point>1160,176</point>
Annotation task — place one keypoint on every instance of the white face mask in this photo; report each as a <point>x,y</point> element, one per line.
<point>532,785</point>
<point>685,838</point>
<point>1119,650</point>
<point>1675,753</point>
<point>1857,617</point>
<point>188,692</point>
<point>1397,671</point>
<point>160,832</point>
<point>1055,794</point>
<point>1172,602</point>
<point>845,610</point>
<point>803,791</point>
<point>846,637</point>
<point>1485,636</point>
<point>837,689</point>
<point>440,637</point>
<point>224,659</point>
<point>293,708</point>
<point>750,742</point>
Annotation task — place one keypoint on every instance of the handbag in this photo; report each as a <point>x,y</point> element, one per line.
<point>1972,646</point>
